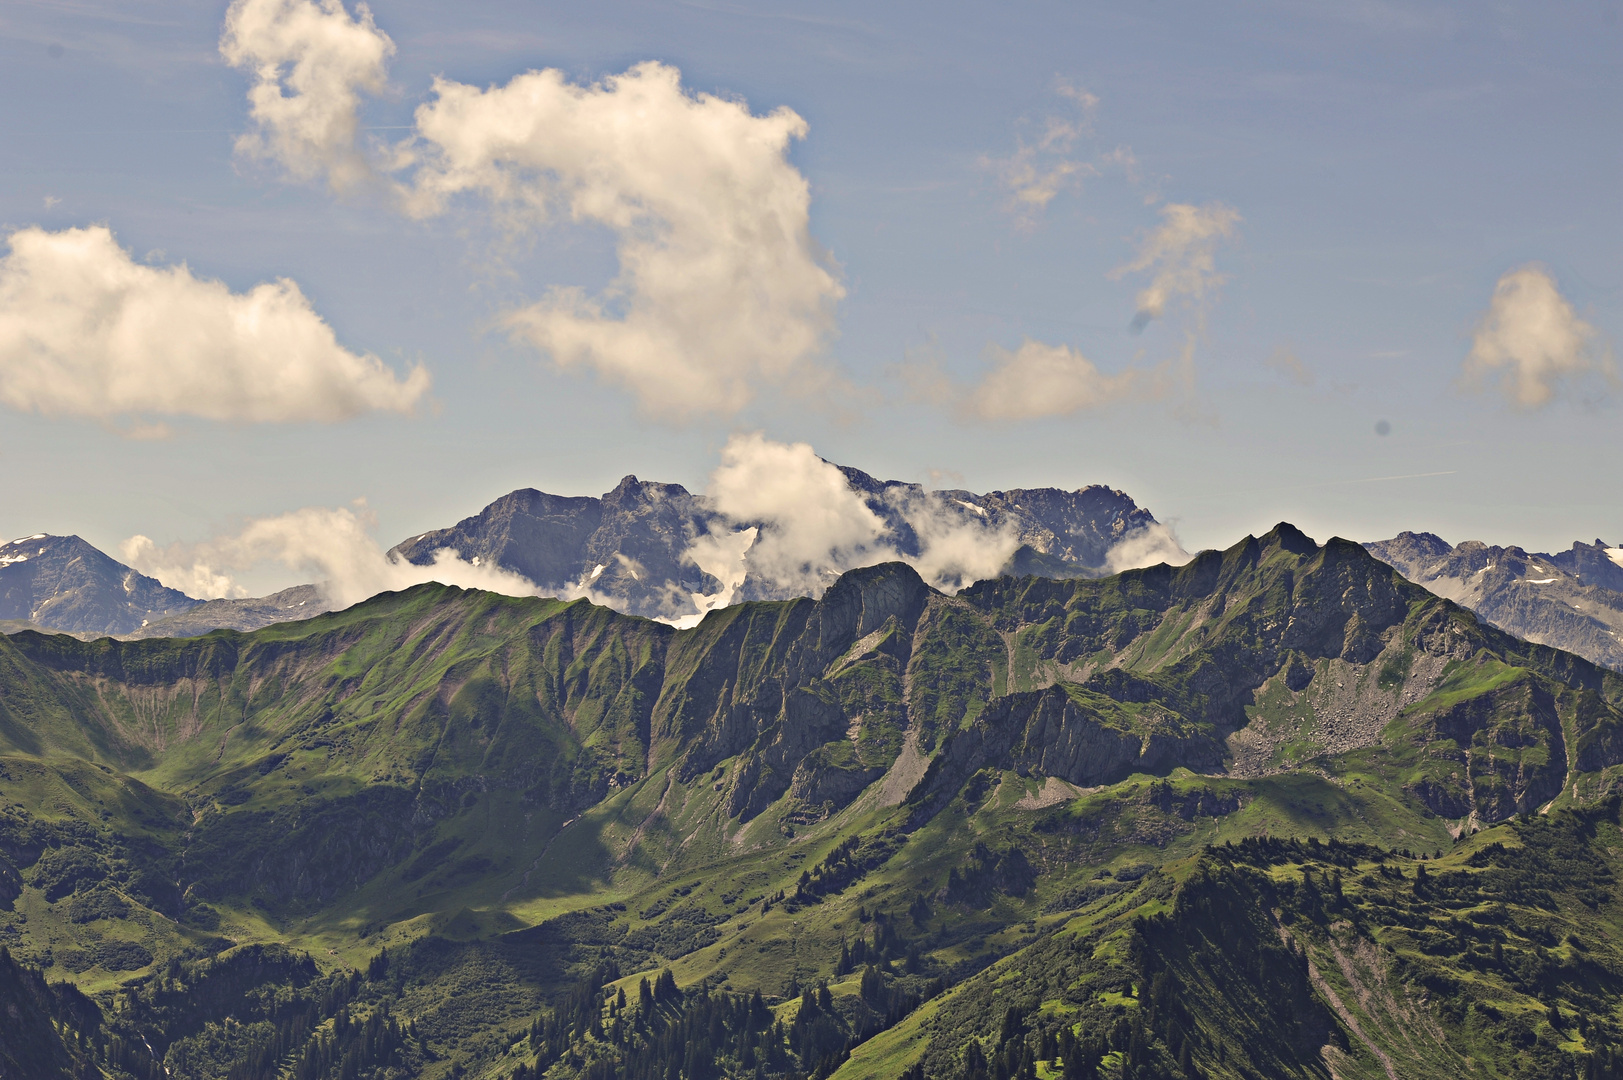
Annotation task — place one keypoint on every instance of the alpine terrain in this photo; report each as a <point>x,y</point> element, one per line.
<point>1572,600</point>
<point>1276,812</point>
<point>633,550</point>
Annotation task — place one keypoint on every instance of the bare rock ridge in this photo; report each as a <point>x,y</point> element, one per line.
<point>62,583</point>
<point>628,547</point>
<point>1572,600</point>
<point>249,613</point>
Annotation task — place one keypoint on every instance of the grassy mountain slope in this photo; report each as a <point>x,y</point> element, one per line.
<point>472,817</point>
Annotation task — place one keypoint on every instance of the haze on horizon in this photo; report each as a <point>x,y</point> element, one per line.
<point>284,271</point>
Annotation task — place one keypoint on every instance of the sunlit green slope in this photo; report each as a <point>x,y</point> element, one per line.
<point>530,804</point>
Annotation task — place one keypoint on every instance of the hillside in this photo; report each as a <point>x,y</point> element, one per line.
<point>439,832</point>
<point>1572,600</point>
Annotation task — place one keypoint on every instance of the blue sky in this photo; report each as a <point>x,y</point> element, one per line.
<point>1387,166</point>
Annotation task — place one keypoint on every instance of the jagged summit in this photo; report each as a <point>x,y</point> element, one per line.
<point>1571,600</point>
<point>64,583</point>
<point>632,548</point>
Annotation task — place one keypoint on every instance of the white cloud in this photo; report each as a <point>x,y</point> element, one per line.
<point>721,286</point>
<point>333,546</point>
<point>956,547</point>
<point>310,62</point>
<point>185,567</point>
<point>812,524</point>
<point>721,289</point>
<point>87,331</point>
<point>1028,383</point>
<point>793,522</point>
<point>1039,379</point>
<point>721,553</point>
<point>1148,546</point>
<point>1182,254</point>
<point>1532,335</point>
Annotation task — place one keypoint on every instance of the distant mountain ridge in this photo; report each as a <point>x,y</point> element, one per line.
<point>1572,600</point>
<point>63,583</point>
<point>626,549</point>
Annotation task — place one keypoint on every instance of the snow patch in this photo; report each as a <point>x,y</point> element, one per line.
<point>981,510</point>
<point>1540,580</point>
<point>598,569</point>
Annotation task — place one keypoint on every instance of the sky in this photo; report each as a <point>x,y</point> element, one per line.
<point>1354,266</point>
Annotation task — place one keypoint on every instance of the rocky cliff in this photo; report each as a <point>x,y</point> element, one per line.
<point>1572,600</point>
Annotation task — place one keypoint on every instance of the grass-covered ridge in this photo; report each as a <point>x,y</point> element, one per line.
<point>860,808</point>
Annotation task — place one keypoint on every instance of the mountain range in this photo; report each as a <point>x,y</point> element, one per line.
<point>62,583</point>
<point>632,548</point>
<point>1572,600</point>
<point>1275,812</point>
<point>629,550</point>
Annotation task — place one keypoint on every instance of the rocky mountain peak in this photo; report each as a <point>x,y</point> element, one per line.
<point>1572,600</point>
<point>67,584</point>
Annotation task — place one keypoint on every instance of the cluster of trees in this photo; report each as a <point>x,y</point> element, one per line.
<point>260,1014</point>
<point>351,1049</point>
<point>1014,1052</point>
<point>986,872</point>
<point>668,1033</point>
<point>885,944</point>
<point>672,1034</point>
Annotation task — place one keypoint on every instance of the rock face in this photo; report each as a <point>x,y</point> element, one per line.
<point>1571,601</point>
<point>63,583</point>
<point>626,546</point>
<point>289,605</point>
<point>628,549</point>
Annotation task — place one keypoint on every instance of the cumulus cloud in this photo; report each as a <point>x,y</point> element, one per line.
<point>721,286</point>
<point>792,522</point>
<point>311,63</point>
<point>721,289</point>
<point>333,546</point>
<point>812,525</point>
<point>1147,546</point>
<point>1181,253</point>
<point>956,546</point>
<point>1028,383</point>
<point>1533,340</point>
<point>85,330</point>
<point>1039,379</point>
